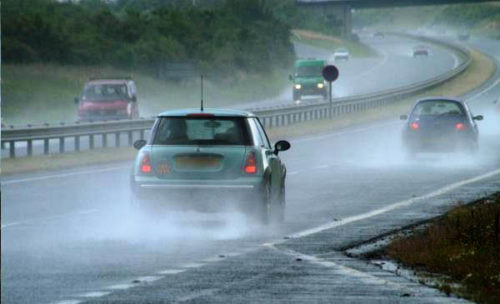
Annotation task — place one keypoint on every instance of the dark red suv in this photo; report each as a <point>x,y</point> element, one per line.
<point>104,99</point>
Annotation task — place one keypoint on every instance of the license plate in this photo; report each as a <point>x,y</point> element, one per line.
<point>186,162</point>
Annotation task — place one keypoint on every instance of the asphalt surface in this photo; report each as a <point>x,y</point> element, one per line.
<point>393,67</point>
<point>68,236</point>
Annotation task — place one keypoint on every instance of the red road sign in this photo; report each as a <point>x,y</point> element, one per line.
<point>330,73</point>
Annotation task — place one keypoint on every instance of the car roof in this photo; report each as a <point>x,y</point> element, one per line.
<point>309,62</point>
<point>213,111</point>
<point>439,98</point>
<point>108,81</point>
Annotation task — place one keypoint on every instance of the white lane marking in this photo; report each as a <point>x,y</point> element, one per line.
<point>149,279</point>
<point>69,302</point>
<point>95,294</point>
<point>391,207</point>
<point>192,265</point>
<point>50,218</point>
<point>213,259</point>
<point>455,60</point>
<point>11,224</point>
<point>171,271</point>
<point>485,90</point>
<point>341,269</point>
<point>60,175</point>
<point>121,286</point>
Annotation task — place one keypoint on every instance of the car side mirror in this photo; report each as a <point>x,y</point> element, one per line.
<point>76,100</point>
<point>138,144</point>
<point>290,77</point>
<point>134,98</point>
<point>478,117</point>
<point>403,117</point>
<point>281,145</point>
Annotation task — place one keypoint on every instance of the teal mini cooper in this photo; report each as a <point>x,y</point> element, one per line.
<point>218,155</point>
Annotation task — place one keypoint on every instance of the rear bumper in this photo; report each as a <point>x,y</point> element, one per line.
<point>198,191</point>
<point>198,186</point>
<point>439,144</point>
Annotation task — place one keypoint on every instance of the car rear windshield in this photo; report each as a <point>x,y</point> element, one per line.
<point>438,108</point>
<point>202,131</point>
<point>105,92</point>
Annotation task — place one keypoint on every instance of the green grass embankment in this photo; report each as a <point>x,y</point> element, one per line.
<point>39,93</point>
<point>464,245</point>
<point>330,43</point>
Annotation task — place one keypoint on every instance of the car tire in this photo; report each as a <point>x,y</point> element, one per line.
<point>278,208</point>
<point>263,212</point>
<point>269,210</point>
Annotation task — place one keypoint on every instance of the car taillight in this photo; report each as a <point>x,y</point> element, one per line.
<point>251,164</point>
<point>145,163</point>
<point>414,126</point>
<point>460,126</point>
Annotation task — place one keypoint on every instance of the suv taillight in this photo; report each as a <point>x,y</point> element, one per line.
<point>251,164</point>
<point>145,163</point>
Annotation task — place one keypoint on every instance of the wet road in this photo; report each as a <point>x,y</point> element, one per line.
<point>394,67</point>
<point>67,236</point>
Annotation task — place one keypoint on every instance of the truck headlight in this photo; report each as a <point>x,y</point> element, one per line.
<point>298,86</point>
<point>320,85</point>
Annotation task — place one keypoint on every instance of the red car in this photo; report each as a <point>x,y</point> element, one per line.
<point>105,99</point>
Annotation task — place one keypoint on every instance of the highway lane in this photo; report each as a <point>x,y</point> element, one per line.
<point>68,235</point>
<point>375,73</point>
<point>392,68</point>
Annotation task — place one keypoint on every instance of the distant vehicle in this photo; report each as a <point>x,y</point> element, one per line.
<point>307,79</point>
<point>378,35</point>
<point>420,50</point>
<point>341,54</point>
<point>439,124</point>
<point>463,36</point>
<point>110,98</point>
<point>212,154</point>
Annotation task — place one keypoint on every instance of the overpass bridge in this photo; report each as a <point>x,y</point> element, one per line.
<point>342,8</point>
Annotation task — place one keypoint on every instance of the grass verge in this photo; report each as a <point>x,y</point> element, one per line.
<point>464,245</point>
<point>68,160</point>
<point>39,93</point>
<point>479,71</point>
<point>330,43</point>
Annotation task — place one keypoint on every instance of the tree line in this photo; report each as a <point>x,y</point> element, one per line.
<point>224,37</point>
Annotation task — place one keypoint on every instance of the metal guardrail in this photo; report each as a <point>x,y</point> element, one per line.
<point>270,117</point>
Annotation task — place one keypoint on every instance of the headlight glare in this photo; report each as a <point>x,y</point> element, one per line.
<point>298,86</point>
<point>320,85</point>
